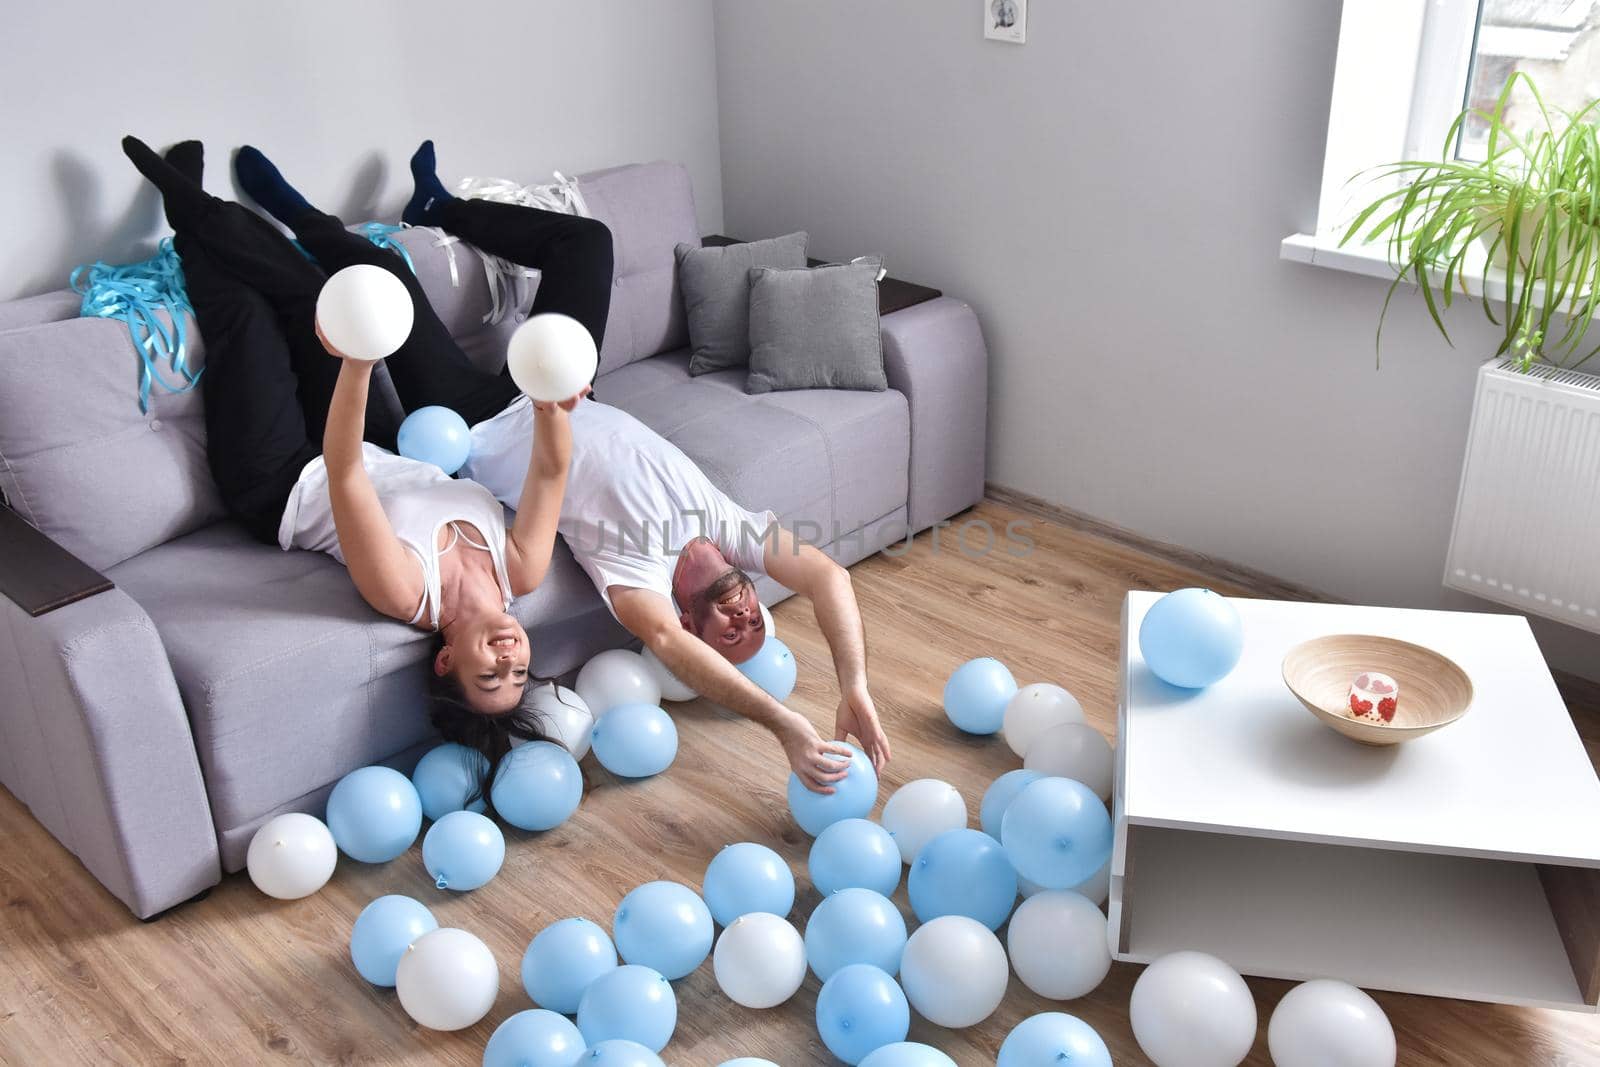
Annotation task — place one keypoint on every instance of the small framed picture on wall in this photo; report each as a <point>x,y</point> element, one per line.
<point>1005,20</point>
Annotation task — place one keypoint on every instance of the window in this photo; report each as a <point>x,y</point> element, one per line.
<point>1555,42</point>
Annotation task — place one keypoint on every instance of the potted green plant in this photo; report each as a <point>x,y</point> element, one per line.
<point>1536,193</point>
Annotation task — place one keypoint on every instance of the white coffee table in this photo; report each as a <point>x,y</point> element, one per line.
<point>1462,864</point>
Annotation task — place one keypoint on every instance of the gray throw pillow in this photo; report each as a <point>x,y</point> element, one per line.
<point>816,329</point>
<point>716,296</point>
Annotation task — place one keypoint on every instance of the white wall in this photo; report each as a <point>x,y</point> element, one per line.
<point>339,94</point>
<point>1110,197</point>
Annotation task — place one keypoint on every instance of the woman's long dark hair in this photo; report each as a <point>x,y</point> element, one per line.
<point>490,735</point>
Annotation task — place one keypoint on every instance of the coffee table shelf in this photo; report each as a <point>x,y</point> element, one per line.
<point>1463,864</point>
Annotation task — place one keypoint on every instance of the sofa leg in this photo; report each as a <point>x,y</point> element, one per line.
<point>158,916</point>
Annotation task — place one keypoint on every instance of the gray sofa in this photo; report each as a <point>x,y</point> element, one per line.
<point>152,726</point>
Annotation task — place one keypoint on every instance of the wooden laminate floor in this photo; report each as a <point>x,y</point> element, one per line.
<point>238,978</point>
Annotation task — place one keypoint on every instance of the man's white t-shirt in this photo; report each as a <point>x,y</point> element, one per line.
<point>633,498</point>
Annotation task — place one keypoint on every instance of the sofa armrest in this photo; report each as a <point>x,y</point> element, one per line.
<point>94,739</point>
<point>37,574</point>
<point>934,354</point>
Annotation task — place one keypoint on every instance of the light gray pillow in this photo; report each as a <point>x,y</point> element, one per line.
<point>816,329</point>
<point>716,295</point>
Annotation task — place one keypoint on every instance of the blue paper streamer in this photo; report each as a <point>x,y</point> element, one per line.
<point>135,293</point>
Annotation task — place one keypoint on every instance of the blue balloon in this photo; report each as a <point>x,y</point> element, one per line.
<point>998,797</point>
<point>908,1054</point>
<point>855,926</point>
<point>860,1010</point>
<point>747,877</point>
<point>747,1061</point>
<point>976,695</point>
<point>562,961</point>
<point>534,1038</point>
<point>663,925</point>
<point>374,814</point>
<point>1191,638</point>
<point>962,872</point>
<point>538,786</point>
<point>852,798</point>
<point>772,668</point>
<point>629,1003</point>
<point>463,851</point>
<point>382,933</point>
<point>620,1054</point>
<point>435,435</point>
<point>634,740</point>
<point>1056,833</point>
<point>447,776</point>
<point>1053,1038</point>
<point>855,854</point>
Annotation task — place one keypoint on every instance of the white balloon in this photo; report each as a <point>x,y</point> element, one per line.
<point>1033,710</point>
<point>920,811</point>
<point>447,979</point>
<point>551,357</point>
<point>565,717</point>
<point>760,960</point>
<point>616,677</point>
<point>1330,1024</point>
<point>1190,1009</point>
<point>365,312</point>
<point>954,971</point>
<point>1097,887</point>
<point>671,688</point>
<point>291,856</point>
<point>1073,750</point>
<point>1058,944</point>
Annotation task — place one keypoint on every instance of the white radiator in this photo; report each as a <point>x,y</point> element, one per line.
<point>1527,529</point>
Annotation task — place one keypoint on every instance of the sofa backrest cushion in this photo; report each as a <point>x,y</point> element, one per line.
<point>80,461</point>
<point>649,208</point>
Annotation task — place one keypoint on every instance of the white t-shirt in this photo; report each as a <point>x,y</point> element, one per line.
<point>633,498</point>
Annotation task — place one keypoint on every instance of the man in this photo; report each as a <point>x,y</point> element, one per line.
<point>672,556</point>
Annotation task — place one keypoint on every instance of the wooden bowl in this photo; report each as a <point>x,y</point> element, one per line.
<point>1434,691</point>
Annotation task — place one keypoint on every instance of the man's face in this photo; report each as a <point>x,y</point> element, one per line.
<point>719,602</point>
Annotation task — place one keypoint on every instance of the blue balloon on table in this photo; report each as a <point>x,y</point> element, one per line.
<point>435,435</point>
<point>663,925</point>
<point>852,798</point>
<point>630,1003</point>
<point>374,814</point>
<point>772,668</point>
<point>855,854</point>
<point>538,786</point>
<point>382,933</point>
<point>1057,833</point>
<point>998,797</point>
<point>463,851</point>
<point>620,1054</point>
<point>855,926</point>
<point>635,740</point>
<point>534,1038</point>
<point>446,776</point>
<point>907,1054</point>
<point>563,960</point>
<point>1052,1038</point>
<point>747,877</point>
<point>1191,638</point>
<point>860,1010</point>
<point>976,695</point>
<point>962,872</point>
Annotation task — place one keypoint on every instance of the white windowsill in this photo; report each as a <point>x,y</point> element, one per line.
<point>1373,261</point>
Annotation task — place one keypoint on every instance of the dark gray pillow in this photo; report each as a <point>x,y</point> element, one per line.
<point>816,329</point>
<point>716,295</point>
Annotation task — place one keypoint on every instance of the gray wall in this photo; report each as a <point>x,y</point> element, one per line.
<point>1110,197</point>
<point>339,94</point>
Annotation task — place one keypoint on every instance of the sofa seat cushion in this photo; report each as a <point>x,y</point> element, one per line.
<point>290,679</point>
<point>826,460</point>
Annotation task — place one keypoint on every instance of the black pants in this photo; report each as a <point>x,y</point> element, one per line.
<point>268,381</point>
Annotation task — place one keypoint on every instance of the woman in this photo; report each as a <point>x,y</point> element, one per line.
<point>421,547</point>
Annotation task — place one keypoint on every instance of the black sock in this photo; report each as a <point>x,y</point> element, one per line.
<point>181,195</point>
<point>267,187</point>
<point>430,195</point>
<point>189,159</point>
